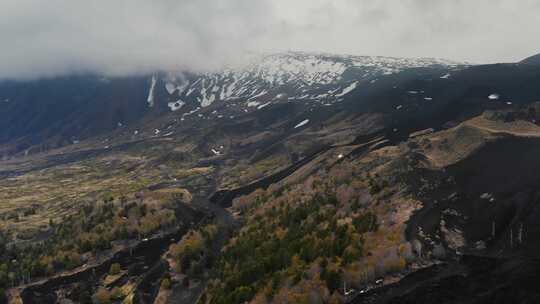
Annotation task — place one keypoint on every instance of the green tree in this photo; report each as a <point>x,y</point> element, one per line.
<point>3,297</point>
<point>332,279</point>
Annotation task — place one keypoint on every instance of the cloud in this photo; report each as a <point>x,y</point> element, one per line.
<point>119,37</point>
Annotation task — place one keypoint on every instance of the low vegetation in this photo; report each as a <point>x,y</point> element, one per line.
<point>77,238</point>
<point>302,243</point>
<point>193,253</point>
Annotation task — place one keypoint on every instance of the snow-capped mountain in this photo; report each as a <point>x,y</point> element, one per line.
<point>293,76</point>
<point>60,111</point>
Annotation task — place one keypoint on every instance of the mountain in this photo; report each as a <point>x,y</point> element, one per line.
<point>292,76</point>
<point>297,178</point>
<point>44,114</point>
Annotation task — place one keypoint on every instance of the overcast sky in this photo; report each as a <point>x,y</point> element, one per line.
<point>116,37</point>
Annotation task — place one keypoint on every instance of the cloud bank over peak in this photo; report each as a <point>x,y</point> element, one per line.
<point>121,37</point>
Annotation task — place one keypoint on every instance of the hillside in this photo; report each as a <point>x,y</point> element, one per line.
<point>51,113</point>
<point>299,178</point>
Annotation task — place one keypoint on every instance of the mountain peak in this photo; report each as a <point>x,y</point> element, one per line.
<point>299,75</point>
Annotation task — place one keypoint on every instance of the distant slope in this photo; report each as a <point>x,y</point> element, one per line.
<point>62,110</point>
<point>535,59</point>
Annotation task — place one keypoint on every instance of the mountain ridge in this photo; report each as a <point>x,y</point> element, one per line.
<point>534,59</point>
<point>56,112</point>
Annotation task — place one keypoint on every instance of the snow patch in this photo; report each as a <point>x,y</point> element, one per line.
<point>348,89</point>
<point>253,103</point>
<point>263,105</point>
<point>206,101</point>
<point>264,92</point>
<point>177,105</point>
<point>170,87</point>
<point>494,96</point>
<point>150,98</point>
<point>302,123</point>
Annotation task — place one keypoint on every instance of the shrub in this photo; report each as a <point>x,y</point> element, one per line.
<point>116,294</point>
<point>166,283</point>
<point>332,279</point>
<point>365,222</point>
<point>102,296</point>
<point>115,269</point>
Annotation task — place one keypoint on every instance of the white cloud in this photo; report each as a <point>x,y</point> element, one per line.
<point>46,38</point>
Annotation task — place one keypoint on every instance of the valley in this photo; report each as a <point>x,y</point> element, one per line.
<point>408,187</point>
